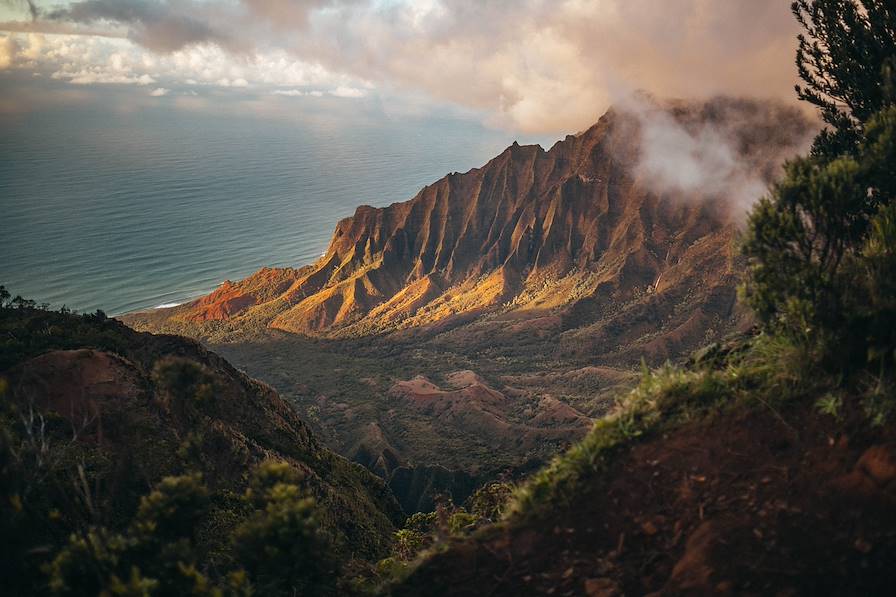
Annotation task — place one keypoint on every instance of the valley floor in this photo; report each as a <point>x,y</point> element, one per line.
<point>466,417</point>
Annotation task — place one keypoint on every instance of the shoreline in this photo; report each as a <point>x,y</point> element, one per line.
<point>170,304</point>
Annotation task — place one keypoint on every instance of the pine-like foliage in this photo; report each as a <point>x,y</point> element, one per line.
<point>812,276</point>
<point>846,61</point>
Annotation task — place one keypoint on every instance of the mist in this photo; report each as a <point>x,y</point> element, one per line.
<point>725,149</point>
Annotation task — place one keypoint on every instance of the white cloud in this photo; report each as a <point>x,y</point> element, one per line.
<point>34,47</point>
<point>298,92</point>
<point>352,92</point>
<point>101,77</point>
<point>290,92</point>
<point>531,65</point>
<point>86,60</point>
<point>159,92</point>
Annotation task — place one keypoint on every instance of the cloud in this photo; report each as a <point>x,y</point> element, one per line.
<point>529,65</point>
<point>542,65</point>
<point>298,93</point>
<point>348,92</point>
<point>7,51</point>
<point>226,82</point>
<point>285,14</point>
<point>290,92</point>
<point>725,148</point>
<point>163,26</point>
<point>91,59</point>
<point>34,47</point>
<point>26,5</point>
<point>159,92</point>
<point>100,77</point>
<point>341,91</point>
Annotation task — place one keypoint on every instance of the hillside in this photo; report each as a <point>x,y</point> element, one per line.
<point>721,479</point>
<point>127,409</point>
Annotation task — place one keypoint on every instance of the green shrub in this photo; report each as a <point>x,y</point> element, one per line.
<point>408,544</point>
<point>488,502</point>
<point>820,244</point>
<point>184,385</point>
<point>281,545</point>
<point>155,556</point>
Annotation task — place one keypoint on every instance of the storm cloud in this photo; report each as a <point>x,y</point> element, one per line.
<point>158,26</point>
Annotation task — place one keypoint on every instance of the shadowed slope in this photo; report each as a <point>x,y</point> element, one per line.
<point>141,407</point>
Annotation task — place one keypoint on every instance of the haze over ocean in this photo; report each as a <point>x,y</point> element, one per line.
<point>121,211</point>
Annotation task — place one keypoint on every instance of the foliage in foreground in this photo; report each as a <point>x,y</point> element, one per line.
<point>76,516</point>
<point>822,245</point>
<point>278,549</point>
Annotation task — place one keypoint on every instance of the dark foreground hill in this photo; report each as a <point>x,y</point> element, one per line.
<point>94,415</point>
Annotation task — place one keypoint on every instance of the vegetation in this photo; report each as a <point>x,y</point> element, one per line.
<point>277,550</point>
<point>144,487</point>
<point>821,281</point>
<point>281,544</point>
<point>846,59</point>
<point>426,532</point>
<point>821,245</point>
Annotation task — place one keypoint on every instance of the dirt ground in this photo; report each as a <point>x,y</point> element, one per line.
<point>750,503</point>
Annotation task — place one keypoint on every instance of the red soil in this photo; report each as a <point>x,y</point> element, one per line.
<point>746,504</point>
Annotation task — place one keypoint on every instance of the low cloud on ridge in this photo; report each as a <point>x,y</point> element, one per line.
<point>729,149</point>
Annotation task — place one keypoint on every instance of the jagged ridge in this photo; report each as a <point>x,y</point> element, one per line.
<point>578,227</point>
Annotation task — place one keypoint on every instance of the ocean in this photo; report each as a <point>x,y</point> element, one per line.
<point>118,210</point>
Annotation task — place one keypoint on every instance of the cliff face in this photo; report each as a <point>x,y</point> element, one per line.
<point>581,231</point>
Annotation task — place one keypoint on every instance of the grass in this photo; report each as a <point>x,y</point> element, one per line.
<point>762,372</point>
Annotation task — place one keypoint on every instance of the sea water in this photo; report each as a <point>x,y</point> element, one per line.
<point>121,211</point>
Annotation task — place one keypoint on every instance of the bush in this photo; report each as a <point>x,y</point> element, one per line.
<point>156,556</point>
<point>487,504</point>
<point>281,545</point>
<point>186,385</point>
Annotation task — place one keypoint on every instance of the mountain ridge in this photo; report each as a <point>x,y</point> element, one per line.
<point>581,217</point>
<point>551,274</point>
<point>138,407</point>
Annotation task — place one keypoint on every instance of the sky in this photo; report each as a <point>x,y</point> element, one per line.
<point>531,66</point>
